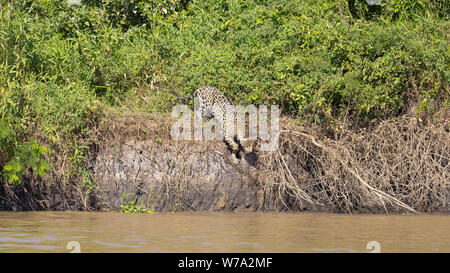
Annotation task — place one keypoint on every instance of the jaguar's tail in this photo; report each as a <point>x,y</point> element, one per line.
<point>183,99</point>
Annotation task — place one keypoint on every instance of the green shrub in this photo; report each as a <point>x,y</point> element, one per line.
<point>17,155</point>
<point>306,56</point>
<point>130,13</point>
<point>415,9</point>
<point>131,206</point>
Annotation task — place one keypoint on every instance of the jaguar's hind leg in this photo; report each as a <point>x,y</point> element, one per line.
<point>246,145</point>
<point>233,146</point>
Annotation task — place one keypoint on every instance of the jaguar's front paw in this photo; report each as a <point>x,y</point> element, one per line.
<point>234,159</point>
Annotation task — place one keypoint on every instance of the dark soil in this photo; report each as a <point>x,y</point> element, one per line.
<point>395,166</point>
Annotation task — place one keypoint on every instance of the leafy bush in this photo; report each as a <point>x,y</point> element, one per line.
<point>415,9</point>
<point>131,206</point>
<point>16,156</point>
<point>130,13</point>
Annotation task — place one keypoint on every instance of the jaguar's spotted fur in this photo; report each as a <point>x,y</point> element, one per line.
<point>214,104</point>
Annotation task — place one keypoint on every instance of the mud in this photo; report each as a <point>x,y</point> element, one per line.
<point>132,161</point>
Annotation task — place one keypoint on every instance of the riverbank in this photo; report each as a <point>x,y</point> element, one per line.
<point>134,166</point>
<point>85,96</point>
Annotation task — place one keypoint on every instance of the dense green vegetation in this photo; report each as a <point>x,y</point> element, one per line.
<point>63,66</point>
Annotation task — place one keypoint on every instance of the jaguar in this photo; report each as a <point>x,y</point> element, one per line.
<point>214,104</point>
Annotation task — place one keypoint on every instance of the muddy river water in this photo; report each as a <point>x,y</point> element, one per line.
<point>221,232</point>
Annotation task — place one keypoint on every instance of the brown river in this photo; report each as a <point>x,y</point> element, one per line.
<point>221,232</point>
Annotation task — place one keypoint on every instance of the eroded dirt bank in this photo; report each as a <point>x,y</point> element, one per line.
<point>396,166</point>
